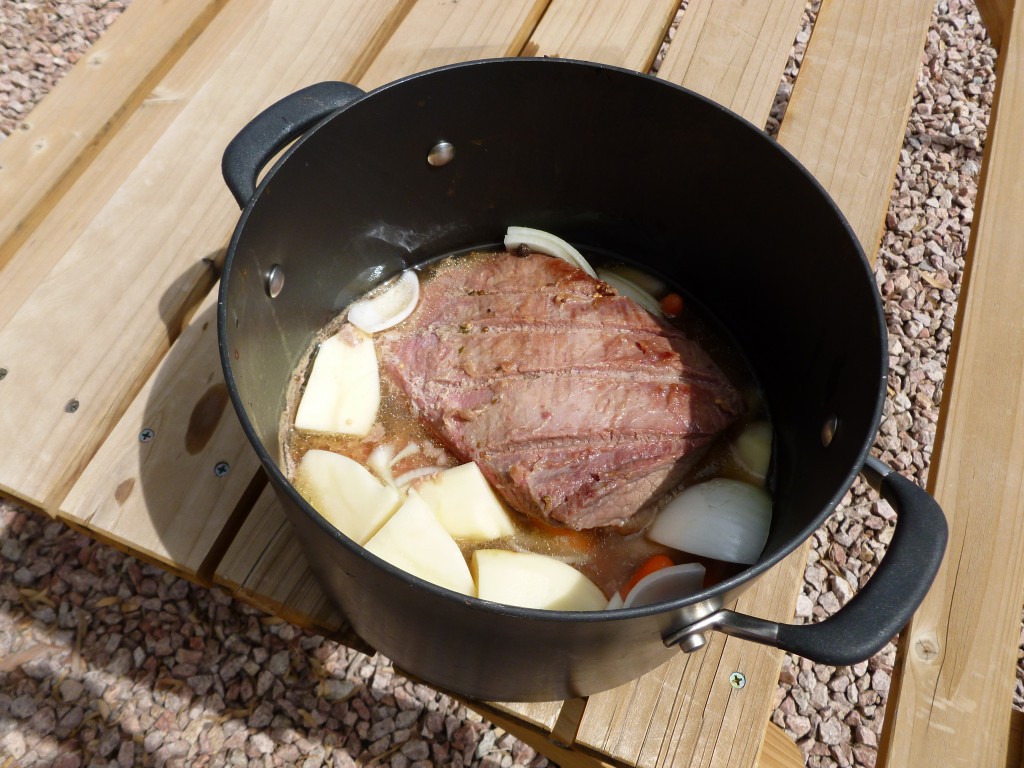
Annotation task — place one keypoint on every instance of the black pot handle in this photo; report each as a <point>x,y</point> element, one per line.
<point>274,128</point>
<point>878,611</point>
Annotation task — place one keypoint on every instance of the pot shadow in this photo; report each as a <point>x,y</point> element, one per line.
<point>109,658</point>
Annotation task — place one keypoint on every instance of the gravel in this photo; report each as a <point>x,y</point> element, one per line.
<point>105,660</point>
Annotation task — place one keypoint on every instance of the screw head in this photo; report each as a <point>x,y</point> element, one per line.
<point>3,373</point>
<point>829,429</point>
<point>737,680</point>
<point>275,281</point>
<point>146,435</point>
<point>71,406</point>
<point>441,153</point>
<point>221,468</point>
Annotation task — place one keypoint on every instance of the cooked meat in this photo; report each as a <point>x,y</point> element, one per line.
<point>579,407</point>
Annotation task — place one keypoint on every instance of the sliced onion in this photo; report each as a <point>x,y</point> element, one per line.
<point>404,479</point>
<point>380,460</point>
<point>648,282</point>
<point>666,584</point>
<point>409,450</point>
<point>724,519</point>
<point>627,287</point>
<point>753,448</point>
<point>544,242</point>
<point>615,602</point>
<point>389,307</point>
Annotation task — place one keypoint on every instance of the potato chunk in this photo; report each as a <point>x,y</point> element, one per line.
<point>466,505</point>
<point>415,541</point>
<point>533,581</point>
<point>345,493</point>
<point>343,391</point>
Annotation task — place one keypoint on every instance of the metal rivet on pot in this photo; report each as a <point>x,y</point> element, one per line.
<point>275,281</point>
<point>441,153</point>
<point>693,642</point>
<point>71,406</point>
<point>737,680</point>
<point>221,468</point>
<point>146,435</point>
<point>829,429</point>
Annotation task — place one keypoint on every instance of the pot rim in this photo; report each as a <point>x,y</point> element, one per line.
<point>735,582</point>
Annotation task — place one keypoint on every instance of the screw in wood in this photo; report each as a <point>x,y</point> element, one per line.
<point>221,468</point>
<point>3,374</point>
<point>737,680</point>
<point>71,406</point>
<point>146,435</point>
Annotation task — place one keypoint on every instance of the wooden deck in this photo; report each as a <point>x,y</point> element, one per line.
<point>115,419</point>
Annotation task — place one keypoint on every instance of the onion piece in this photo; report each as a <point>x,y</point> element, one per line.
<point>753,448</point>
<point>615,602</point>
<point>380,462</point>
<point>666,584</point>
<point>723,519</point>
<point>544,242</point>
<point>627,287</point>
<point>410,449</point>
<point>648,282</point>
<point>389,307</point>
<point>404,479</point>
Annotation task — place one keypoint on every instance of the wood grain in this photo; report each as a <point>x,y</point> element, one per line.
<point>163,496</point>
<point>434,33</point>
<point>734,52</point>
<point>950,704</point>
<point>995,15</point>
<point>851,102</point>
<point>625,33</point>
<point>64,133</point>
<point>132,271</point>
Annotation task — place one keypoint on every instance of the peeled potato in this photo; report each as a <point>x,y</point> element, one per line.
<point>343,391</point>
<point>345,493</point>
<point>530,580</point>
<point>414,541</point>
<point>466,505</point>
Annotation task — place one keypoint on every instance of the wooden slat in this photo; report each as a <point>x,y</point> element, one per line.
<point>734,52</point>
<point>851,102</point>
<point>626,33</point>
<point>278,580</point>
<point>163,497</point>
<point>687,712</point>
<point>995,15</point>
<point>950,704</point>
<point>434,34</point>
<point>65,131</point>
<point>131,272</point>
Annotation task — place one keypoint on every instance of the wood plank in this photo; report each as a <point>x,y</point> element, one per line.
<point>851,103</point>
<point>163,497</point>
<point>687,712</point>
<point>625,33</point>
<point>278,579</point>
<point>434,34</point>
<point>132,271</point>
<point>995,15</point>
<point>734,52</point>
<point>67,129</point>
<point>950,703</point>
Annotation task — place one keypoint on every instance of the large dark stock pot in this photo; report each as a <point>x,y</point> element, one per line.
<point>610,160</point>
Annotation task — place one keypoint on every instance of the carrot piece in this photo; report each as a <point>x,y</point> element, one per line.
<point>654,563</point>
<point>672,305</point>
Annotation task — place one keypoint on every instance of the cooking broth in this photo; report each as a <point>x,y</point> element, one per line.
<point>606,555</point>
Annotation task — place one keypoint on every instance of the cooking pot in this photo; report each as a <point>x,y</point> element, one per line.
<point>614,162</point>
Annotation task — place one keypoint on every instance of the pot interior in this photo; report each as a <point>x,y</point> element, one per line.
<point>611,161</point>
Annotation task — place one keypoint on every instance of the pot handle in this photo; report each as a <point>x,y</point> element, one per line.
<point>878,611</point>
<point>274,128</point>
